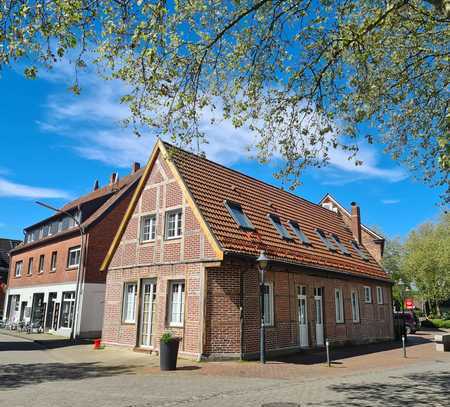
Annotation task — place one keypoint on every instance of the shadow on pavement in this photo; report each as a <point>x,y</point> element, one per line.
<point>319,356</point>
<point>427,389</point>
<point>13,376</point>
<point>30,345</point>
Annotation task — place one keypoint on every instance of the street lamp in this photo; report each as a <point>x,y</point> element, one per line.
<point>262,261</point>
<point>80,262</point>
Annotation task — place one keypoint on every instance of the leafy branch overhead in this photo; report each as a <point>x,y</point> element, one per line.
<point>306,76</point>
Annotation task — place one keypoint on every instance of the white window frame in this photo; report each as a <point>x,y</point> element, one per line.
<point>380,295</point>
<point>73,249</point>
<point>181,300</point>
<point>178,232</point>
<point>268,304</point>
<point>367,294</point>
<point>68,297</point>
<point>18,268</point>
<point>339,305</point>
<point>129,303</point>
<point>355,306</point>
<point>54,256</point>
<point>152,230</point>
<point>30,266</point>
<point>41,264</point>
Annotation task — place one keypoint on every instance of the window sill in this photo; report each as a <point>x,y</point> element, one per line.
<point>71,268</point>
<point>144,242</point>
<point>172,325</point>
<point>128,323</point>
<point>340,322</point>
<point>173,238</point>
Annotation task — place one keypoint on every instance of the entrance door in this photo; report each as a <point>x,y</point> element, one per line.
<point>303,316</point>
<point>50,309</point>
<point>318,302</point>
<point>38,309</point>
<point>148,310</point>
<point>56,317</point>
<point>22,310</point>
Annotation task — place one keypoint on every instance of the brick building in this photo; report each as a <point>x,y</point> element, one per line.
<point>46,281</point>
<point>184,260</point>
<point>6,245</point>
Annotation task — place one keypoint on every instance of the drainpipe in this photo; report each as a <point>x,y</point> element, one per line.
<point>241,312</point>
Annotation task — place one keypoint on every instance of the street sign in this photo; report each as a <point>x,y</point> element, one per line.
<point>409,303</point>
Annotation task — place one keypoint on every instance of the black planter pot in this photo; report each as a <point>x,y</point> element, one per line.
<point>168,353</point>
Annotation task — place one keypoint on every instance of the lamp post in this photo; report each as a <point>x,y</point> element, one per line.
<point>262,261</point>
<point>80,262</point>
<point>401,284</point>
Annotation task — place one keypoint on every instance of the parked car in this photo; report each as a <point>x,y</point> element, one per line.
<point>412,323</point>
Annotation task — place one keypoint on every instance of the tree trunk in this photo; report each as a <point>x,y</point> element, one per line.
<point>438,309</point>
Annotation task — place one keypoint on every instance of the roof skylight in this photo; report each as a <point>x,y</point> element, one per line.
<point>327,242</point>
<point>359,250</point>
<point>238,215</point>
<point>279,226</point>
<point>338,242</point>
<point>298,232</point>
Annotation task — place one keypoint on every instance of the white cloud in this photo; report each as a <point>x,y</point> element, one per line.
<point>12,189</point>
<point>92,121</point>
<point>390,201</point>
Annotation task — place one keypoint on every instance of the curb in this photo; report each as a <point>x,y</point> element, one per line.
<point>57,342</point>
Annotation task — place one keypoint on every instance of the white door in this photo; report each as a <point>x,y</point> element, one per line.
<point>318,301</point>
<point>303,316</point>
<point>148,308</point>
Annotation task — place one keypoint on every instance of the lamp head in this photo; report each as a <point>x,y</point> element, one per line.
<point>262,260</point>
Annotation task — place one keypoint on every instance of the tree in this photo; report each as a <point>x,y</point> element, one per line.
<point>392,261</point>
<point>306,76</point>
<point>427,260</point>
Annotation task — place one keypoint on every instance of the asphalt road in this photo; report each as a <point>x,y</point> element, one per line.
<point>31,375</point>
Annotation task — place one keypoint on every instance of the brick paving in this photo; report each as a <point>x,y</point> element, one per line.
<point>377,375</point>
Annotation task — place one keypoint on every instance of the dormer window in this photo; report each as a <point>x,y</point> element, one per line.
<point>298,232</point>
<point>238,215</point>
<point>327,242</point>
<point>359,250</point>
<point>276,222</point>
<point>339,244</point>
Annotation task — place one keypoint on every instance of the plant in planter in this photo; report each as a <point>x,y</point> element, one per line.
<point>168,351</point>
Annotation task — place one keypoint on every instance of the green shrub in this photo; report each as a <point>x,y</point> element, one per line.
<point>440,323</point>
<point>167,337</point>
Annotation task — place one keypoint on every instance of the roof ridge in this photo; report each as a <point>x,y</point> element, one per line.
<point>249,177</point>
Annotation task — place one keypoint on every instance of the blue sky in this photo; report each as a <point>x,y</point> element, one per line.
<point>54,146</point>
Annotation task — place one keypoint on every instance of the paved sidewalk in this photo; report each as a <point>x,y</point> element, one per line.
<point>376,375</point>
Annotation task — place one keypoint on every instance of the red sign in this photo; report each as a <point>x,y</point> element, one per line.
<point>409,303</point>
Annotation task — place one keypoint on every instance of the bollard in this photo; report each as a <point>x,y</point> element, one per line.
<point>404,346</point>
<point>327,344</point>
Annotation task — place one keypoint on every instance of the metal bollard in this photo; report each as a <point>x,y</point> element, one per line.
<point>404,346</point>
<point>327,344</point>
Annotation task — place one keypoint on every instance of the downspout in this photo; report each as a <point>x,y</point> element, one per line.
<point>241,313</point>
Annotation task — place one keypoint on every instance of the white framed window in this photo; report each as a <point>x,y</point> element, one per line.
<point>173,224</point>
<point>73,257</point>
<point>41,263</point>
<point>129,303</point>
<point>30,266</point>
<point>148,228</point>
<point>339,302</point>
<point>355,306</point>
<point>176,303</point>
<point>53,261</point>
<point>67,309</point>
<point>379,295</point>
<point>18,268</point>
<point>268,304</point>
<point>367,295</point>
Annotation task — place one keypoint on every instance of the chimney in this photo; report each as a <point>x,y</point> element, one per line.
<point>135,167</point>
<point>96,185</point>
<point>356,222</point>
<point>114,178</point>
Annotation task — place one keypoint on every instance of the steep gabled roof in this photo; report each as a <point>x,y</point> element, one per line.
<point>342,208</point>
<point>211,184</point>
<point>104,199</point>
<point>207,185</point>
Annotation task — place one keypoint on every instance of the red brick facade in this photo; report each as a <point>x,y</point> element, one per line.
<point>222,309</point>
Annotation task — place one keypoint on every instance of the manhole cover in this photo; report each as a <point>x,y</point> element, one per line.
<point>280,404</point>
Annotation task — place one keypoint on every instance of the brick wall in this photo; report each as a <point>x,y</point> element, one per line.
<point>161,259</point>
<point>223,316</point>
